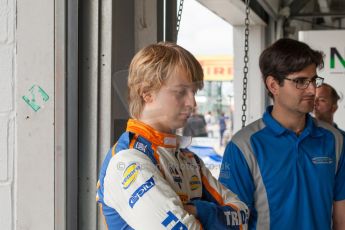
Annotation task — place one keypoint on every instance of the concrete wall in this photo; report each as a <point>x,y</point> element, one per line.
<point>27,114</point>
<point>34,165</point>
<point>7,111</point>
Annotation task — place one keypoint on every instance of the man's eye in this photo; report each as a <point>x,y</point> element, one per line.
<point>181,92</point>
<point>301,81</point>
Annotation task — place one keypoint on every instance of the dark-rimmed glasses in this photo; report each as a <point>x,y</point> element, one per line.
<point>303,82</point>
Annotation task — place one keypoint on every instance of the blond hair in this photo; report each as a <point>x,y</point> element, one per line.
<point>152,66</point>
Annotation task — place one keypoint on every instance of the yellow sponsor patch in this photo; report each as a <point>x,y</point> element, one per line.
<point>130,175</point>
<point>194,183</point>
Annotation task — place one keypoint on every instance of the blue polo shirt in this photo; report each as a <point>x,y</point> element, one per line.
<point>287,181</point>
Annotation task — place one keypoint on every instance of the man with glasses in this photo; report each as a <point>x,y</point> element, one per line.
<point>287,167</point>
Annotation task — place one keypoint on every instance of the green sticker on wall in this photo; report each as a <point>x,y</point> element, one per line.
<point>36,98</point>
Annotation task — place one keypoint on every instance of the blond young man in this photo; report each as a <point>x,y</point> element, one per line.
<point>149,179</point>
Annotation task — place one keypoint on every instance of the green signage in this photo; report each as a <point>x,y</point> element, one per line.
<point>336,54</point>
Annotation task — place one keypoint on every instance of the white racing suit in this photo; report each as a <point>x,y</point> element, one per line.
<point>148,176</point>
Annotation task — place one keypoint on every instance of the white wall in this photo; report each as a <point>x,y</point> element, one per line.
<point>255,88</point>
<point>27,131</point>
<point>7,111</point>
<point>34,165</point>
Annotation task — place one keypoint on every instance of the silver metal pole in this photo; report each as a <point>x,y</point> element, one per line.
<point>88,113</point>
<point>60,116</point>
<point>105,123</point>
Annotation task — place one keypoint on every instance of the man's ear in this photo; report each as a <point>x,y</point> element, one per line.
<point>147,97</point>
<point>334,108</point>
<point>272,85</point>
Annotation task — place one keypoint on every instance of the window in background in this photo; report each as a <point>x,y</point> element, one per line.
<point>210,39</point>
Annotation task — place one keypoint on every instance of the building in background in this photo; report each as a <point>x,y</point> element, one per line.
<point>217,95</point>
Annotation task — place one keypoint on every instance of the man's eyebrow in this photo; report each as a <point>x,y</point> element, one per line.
<point>305,77</point>
<point>183,85</point>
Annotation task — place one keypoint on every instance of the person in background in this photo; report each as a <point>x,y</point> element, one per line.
<point>209,122</point>
<point>222,127</point>
<point>149,179</point>
<point>209,118</point>
<point>195,126</point>
<point>326,104</point>
<point>287,167</point>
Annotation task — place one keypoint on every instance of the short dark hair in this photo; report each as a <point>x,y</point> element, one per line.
<point>334,95</point>
<point>287,56</point>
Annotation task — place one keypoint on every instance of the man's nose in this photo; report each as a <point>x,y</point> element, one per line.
<point>311,87</point>
<point>190,100</point>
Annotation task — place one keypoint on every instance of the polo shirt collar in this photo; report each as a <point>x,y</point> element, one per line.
<point>278,129</point>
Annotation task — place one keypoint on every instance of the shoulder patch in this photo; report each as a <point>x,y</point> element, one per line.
<point>130,174</point>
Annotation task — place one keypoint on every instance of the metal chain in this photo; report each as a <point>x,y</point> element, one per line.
<point>245,68</point>
<point>179,15</point>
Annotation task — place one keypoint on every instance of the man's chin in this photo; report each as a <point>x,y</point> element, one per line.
<point>180,123</point>
<point>309,108</point>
